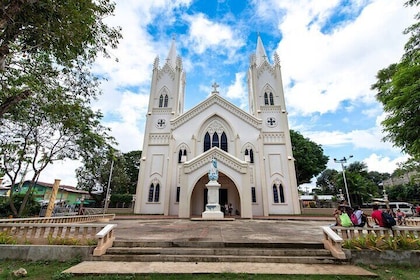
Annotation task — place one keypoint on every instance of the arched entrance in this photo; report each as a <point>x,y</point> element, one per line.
<point>228,193</point>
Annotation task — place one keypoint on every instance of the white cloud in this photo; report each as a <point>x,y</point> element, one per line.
<point>330,68</point>
<point>238,90</point>
<point>63,170</point>
<point>205,34</point>
<point>382,163</point>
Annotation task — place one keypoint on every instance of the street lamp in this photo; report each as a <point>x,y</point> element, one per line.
<point>342,161</point>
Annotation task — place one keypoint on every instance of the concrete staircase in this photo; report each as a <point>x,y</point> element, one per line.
<point>212,252</point>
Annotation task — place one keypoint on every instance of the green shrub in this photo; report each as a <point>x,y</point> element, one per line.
<point>374,242</point>
<point>6,238</point>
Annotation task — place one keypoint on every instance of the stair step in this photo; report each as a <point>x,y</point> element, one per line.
<point>203,244</point>
<point>199,250</point>
<point>217,251</point>
<point>220,258</point>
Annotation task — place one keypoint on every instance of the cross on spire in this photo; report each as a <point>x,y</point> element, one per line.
<point>215,86</point>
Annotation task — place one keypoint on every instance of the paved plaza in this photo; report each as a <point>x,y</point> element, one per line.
<point>263,230</point>
<point>238,230</point>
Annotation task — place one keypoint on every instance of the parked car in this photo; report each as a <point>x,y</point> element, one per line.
<point>405,207</point>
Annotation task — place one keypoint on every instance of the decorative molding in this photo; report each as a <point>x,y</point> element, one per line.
<point>270,109</point>
<point>265,66</point>
<point>159,138</point>
<point>162,111</point>
<point>215,99</point>
<point>273,138</point>
<point>167,69</point>
<point>221,156</point>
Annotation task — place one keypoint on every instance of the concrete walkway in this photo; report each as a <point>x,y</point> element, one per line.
<point>264,230</point>
<point>90,267</point>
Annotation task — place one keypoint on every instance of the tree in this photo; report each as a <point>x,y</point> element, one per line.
<point>46,85</point>
<point>326,182</point>
<point>398,88</point>
<point>47,131</point>
<point>309,156</point>
<point>132,167</point>
<point>68,34</point>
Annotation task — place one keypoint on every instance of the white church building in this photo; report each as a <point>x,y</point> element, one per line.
<point>253,149</point>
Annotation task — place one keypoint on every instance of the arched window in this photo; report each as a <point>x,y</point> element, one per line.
<point>275,194</point>
<point>157,190</point>
<point>265,98</point>
<point>220,142</point>
<point>224,144</point>
<point>281,193</point>
<point>154,191</point>
<point>271,99</point>
<point>180,156</point>
<point>249,155</point>
<point>151,193</point>
<point>161,101</point>
<point>215,141</point>
<point>166,101</point>
<point>207,142</point>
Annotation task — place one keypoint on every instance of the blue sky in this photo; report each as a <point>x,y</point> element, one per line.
<point>330,52</point>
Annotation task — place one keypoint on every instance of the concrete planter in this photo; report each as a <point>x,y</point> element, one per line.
<point>45,252</point>
<point>402,257</point>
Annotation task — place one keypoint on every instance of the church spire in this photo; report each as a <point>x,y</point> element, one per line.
<point>260,53</point>
<point>172,56</point>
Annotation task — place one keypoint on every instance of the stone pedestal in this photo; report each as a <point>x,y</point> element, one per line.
<point>212,207</point>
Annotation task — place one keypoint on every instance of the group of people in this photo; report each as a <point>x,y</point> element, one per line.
<point>228,209</point>
<point>347,216</point>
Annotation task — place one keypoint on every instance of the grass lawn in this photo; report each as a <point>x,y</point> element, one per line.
<point>52,270</point>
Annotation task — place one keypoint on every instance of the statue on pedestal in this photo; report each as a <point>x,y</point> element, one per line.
<point>213,172</point>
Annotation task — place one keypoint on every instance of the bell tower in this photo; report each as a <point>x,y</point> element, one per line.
<point>267,102</point>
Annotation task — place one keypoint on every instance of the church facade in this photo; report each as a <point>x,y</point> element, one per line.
<point>253,149</point>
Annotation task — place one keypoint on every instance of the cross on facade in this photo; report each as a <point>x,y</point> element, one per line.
<point>215,86</point>
<point>161,122</point>
<point>271,121</point>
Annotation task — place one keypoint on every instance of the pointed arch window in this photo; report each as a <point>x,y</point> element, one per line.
<point>207,142</point>
<point>275,194</point>
<point>157,191</point>
<point>281,190</point>
<point>278,193</point>
<point>216,140</point>
<point>161,101</point>
<point>154,191</point>
<point>265,98</point>
<point>249,155</point>
<point>182,155</point>
<point>165,104</point>
<point>224,144</point>
<point>151,193</point>
<point>271,99</point>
